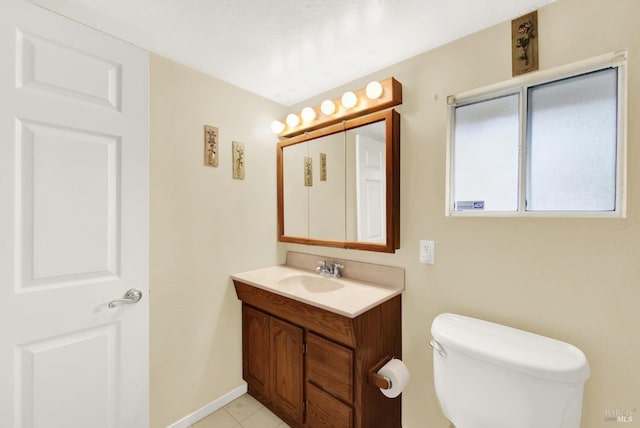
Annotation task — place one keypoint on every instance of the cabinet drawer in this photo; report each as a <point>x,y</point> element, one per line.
<point>330,366</point>
<point>324,411</point>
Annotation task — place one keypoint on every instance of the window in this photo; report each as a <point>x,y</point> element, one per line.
<point>545,147</point>
<point>486,155</point>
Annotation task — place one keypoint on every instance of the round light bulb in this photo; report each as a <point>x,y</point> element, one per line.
<point>277,126</point>
<point>308,114</point>
<point>349,99</point>
<point>327,107</point>
<point>293,120</point>
<point>374,90</point>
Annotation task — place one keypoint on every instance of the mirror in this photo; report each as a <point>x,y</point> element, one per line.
<point>339,186</point>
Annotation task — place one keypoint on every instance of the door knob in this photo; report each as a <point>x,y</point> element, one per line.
<point>130,297</point>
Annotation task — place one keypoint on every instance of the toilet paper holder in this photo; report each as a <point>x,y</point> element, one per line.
<point>376,379</point>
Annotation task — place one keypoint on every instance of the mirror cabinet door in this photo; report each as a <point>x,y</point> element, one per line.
<point>295,190</point>
<point>327,195</point>
<point>340,187</point>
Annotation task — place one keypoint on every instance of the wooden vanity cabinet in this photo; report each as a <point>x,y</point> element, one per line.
<point>310,366</point>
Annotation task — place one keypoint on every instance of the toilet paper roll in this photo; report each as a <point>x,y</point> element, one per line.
<point>398,374</point>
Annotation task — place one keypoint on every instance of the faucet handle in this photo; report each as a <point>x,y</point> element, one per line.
<point>336,268</point>
<point>322,266</point>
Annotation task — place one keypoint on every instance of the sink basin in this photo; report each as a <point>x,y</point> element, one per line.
<point>310,283</point>
<point>343,296</point>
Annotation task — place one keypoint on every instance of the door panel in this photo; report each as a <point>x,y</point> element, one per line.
<point>90,378</point>
<point>73,224</point>
<point>43,66</point>
<point>74,174</point>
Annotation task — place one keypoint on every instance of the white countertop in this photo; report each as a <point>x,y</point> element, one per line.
<point>343,296</point>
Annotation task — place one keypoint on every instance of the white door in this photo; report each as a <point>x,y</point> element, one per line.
<point>371,186</point>
<point>73,224</point>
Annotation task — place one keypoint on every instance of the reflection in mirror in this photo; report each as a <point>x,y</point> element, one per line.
<point>327,197</point>
<point>366,183</point>
<point>296,194</point>
<point>315,208</point>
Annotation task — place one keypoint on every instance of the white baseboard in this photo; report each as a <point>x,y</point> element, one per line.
<point>206,410</point>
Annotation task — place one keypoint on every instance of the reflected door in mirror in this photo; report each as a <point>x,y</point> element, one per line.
<point>366,183</point>
<point>371,186</point>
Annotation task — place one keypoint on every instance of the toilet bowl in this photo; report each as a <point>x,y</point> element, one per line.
<point>492,376</point>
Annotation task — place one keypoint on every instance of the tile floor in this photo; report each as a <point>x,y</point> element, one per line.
<point>243,412</point>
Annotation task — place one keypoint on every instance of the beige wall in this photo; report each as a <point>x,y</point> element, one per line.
<point>577,280</point>
<point>204,226</point>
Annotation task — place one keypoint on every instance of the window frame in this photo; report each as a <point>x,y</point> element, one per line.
<point>519,86</point>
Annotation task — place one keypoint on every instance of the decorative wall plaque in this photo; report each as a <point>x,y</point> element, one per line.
<point>323,167</point>
<point>524,44</point>
<point>210,145</point>
<point>238,160</point>
<point>308,177</point>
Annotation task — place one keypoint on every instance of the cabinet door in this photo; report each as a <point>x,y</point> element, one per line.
<point>287,369</point>
<point>255,351</point>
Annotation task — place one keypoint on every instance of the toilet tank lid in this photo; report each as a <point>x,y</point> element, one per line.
<point>512,348</point>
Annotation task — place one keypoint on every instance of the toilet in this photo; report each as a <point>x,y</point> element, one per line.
<point>492,376</point>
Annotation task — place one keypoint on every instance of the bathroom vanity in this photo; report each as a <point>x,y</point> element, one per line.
<point>310,344</point>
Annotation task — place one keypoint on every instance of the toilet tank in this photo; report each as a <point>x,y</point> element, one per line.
<point>492,376</point>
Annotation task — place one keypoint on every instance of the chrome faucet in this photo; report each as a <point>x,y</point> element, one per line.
<point>331,270</point>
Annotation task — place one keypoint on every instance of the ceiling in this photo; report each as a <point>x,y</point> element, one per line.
<point>290,50</point>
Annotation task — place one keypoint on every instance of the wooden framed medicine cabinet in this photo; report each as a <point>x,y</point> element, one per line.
<point>339,186</point>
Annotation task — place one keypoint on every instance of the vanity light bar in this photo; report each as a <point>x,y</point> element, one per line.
<point>378,95</point>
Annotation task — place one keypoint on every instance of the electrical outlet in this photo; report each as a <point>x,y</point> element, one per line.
<point>427,252</point>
